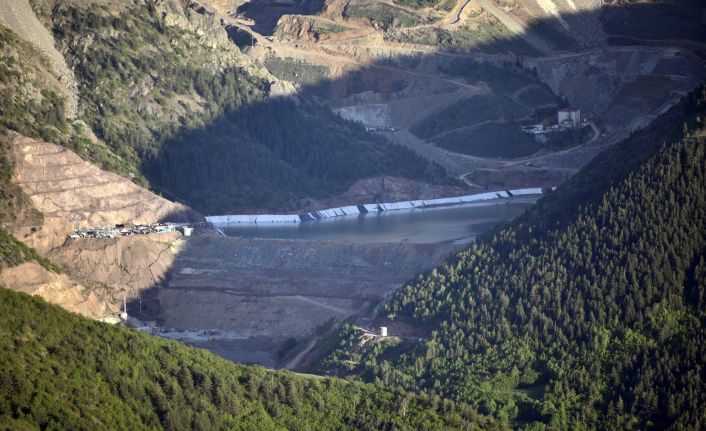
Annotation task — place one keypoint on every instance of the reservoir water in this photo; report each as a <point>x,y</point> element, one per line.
<point>456,224</point>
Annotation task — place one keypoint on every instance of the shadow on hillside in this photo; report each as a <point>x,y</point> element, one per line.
<point>266,13</point>
<point>266,153</point>
<point>281,154</point>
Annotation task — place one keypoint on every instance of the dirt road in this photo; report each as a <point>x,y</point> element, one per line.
<point>454,17</point>
<point>295,361</point>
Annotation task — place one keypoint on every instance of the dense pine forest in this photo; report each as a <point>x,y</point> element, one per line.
<point>586,313</point>
<point>63,371</point>
<point>276,154</point>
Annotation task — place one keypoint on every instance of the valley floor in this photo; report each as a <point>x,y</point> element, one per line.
<point>259,293</point>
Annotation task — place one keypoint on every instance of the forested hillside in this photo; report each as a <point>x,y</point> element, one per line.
<point>587,312</point>
<point>275,155</point>
<point>168,92</point>
<point>62,371</point>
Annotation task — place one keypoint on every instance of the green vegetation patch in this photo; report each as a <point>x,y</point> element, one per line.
<point>383,15</point>
<point>63,371</point>
<point>322,26</point>
<point>490,140</point>
<point>13,253</point>
<point>298,71</point>
<point>277,154</point>
<point>141,80</point>
<point>446,5</point>
<point>31,105</point>
<point>28,103</point>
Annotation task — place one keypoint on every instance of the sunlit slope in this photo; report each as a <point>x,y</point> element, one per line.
<point>589,310</point>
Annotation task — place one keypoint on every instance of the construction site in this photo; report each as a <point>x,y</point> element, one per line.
<point>383,66</point>
<point>455,84</point>
<point>129,230</point>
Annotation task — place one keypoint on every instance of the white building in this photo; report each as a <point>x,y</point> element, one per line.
<point>569,117</point>
<point>533,129</point>
<point>383,331</point>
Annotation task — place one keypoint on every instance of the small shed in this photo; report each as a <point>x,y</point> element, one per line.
<point>383,331</point>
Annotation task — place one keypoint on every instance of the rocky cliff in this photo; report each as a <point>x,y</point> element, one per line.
<point>73,193</point>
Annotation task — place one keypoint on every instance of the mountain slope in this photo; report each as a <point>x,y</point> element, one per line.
<point>62,371</point>
<point>589,311</point>
<point>168,91</point>
<point>278,155</point>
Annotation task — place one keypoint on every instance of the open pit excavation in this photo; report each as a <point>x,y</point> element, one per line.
<point>353,214</point>
<point>400,81</point>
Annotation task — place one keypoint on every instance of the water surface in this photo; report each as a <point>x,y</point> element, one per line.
<point>461,224</point>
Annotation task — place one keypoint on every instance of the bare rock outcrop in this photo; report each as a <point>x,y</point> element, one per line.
<point>99,272</point>
<point>72,193</point>
<point>32,278</point>
<point>300,28</point>
<point>124,265</point>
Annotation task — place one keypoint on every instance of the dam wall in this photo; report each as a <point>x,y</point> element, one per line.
<point>371,208</point>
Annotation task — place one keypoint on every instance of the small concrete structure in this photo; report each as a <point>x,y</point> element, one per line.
<point>569,117</point>
<point>533,129</point>
<point>123,314</point>
<point>112,320</point>
<point>383,331</point>
<point>188,230</point>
